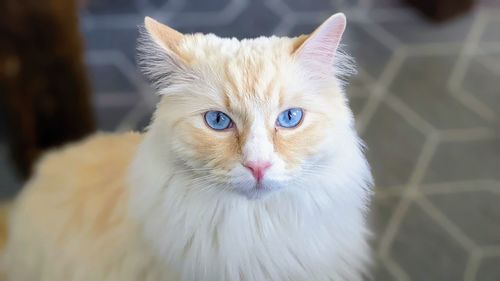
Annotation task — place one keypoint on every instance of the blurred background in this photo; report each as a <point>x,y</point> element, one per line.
<point>427,101</point>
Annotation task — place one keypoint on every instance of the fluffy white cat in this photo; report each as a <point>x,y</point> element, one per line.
<point>251,170</point>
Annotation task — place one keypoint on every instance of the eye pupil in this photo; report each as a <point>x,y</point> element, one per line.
<point>290,118</point>
<point>217,120</point>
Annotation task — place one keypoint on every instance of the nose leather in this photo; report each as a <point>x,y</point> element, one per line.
<point>257,168</point>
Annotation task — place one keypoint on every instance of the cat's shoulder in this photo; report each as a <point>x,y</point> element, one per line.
<point>82,177</point>
<point>92,166</point>
<point>93,152</point>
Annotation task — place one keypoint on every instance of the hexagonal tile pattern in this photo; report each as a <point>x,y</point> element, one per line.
<point>379,273</point>
<point>421,83</point>
<point>482,210</point>
<point>456,161</point>
<point>483,83</point>
<point>417,30</point>
<point>382,210</point>
<point>387,130</point>
<point>425,251</point>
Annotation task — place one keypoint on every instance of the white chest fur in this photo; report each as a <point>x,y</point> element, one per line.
<point>313,231</point>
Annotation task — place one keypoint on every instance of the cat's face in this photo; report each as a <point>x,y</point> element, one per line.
<point>249,116</point>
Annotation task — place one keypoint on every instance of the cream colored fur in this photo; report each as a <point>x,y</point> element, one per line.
<point>177,205</point>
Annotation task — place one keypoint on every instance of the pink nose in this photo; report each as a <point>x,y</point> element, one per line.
<point>257,168</point>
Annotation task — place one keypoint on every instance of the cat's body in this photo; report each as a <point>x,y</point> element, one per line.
<point>180,202</point>
<point>71,223</point>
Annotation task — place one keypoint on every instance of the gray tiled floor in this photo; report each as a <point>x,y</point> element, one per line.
<point>427,101</point>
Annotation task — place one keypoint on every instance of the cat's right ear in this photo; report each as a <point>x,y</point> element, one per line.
<point>165,36</point>
<point>319,51</point>
<point>159,56</point>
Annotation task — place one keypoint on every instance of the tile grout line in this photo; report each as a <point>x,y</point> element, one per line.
<point>409,115</point>
<point>491,251</point>
<point>465,135</point>
<point>474,105</point>
<point>422,164</point>
<point>460,187</point>
<point>472,266</point>
<point>459,70</point>
<point>380,89</point>
<point>445,223</point>
<point>471,42</point>
<point>395,269</point>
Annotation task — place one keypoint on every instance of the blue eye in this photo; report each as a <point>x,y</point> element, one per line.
<point>218,120</point>
<point>290,118</point>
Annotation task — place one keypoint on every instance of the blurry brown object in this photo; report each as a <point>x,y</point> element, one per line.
<point>43,86</point>
<point>441,10</point>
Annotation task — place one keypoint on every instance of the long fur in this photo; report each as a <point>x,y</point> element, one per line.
<point>176,203</point>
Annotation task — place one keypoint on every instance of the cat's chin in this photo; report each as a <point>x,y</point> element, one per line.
<point>256,191</point>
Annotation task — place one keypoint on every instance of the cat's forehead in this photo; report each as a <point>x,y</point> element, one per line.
<point>209,47</point>
<point>249,73</point>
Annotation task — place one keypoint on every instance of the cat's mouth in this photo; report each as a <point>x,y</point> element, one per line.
<point>257,190</point>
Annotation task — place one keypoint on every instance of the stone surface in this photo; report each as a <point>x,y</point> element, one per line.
<point>489,270</point>
<point>490,33</point>
<point>379,273</point>
<point>483,81</point>
<point>464,160</point>
<point>482,210</point>
<point>382,210</point>
<point>425,251</point>
<point>416,30</point>
<point>421,83</point>
<point>393,147</point>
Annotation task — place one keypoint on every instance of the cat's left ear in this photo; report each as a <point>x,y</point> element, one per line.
<point>319,50</point>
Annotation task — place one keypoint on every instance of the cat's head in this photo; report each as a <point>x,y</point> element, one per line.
<point>250,116</point>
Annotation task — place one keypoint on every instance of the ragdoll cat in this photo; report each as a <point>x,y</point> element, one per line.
<point>251,170</point>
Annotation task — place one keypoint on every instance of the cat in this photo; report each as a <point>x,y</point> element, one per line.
<point>250,170</point>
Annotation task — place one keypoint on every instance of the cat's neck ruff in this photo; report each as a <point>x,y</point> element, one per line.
<point>312,230</point>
